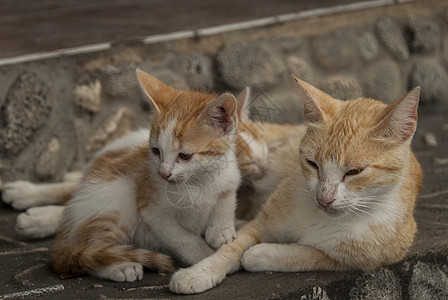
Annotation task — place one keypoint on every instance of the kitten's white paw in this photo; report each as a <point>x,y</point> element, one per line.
<point>20,194</point>
<point>193,280</point>
<point>218,236</point>
<point>258,258</point>
<point>128,271</point>
<point>39,222</point>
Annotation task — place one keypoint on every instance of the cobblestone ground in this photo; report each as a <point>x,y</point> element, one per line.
<point>25,274</point>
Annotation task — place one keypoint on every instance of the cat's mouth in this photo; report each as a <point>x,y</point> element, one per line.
<point>331,211</point>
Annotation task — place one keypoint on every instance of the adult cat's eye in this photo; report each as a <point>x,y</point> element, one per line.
<point>155,150</point>
<point>312,164</point>
<point>354,172</point>
<point>185,156</point>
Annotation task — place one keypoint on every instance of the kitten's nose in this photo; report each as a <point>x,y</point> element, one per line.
<point>165,175</point>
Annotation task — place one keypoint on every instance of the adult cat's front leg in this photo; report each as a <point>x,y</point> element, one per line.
<point>288,258</point>
<point>221,225</point>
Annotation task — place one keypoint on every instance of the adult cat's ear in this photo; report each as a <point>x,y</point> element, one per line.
<point>313,101</point>
<point>152,88</point>
<point>221,114</point>
<point>242,101</point>
<point>401,121</point>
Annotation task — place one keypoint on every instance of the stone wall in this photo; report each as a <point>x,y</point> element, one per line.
<point>55,113</point>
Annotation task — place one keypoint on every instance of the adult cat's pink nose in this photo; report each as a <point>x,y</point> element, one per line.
<point>325,202</point>
<point>165,175</point>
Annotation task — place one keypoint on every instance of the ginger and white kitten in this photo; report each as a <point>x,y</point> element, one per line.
<point>154,192</point>
<point>260,147</point>
<point>347,200</point>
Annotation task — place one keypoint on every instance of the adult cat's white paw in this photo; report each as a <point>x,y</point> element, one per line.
<point>39,222</point>
<point>20,194</point>
<point>193,280</point>
<point>218,236</point>
<point>128,271</point>
<point>258,258</point>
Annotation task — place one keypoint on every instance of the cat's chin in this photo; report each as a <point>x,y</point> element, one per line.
<point>332,212</point>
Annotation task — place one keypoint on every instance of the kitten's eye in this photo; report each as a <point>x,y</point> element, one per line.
<point>155,150</point>
<point>312,164</point>
<point>354,172</point>
<point>185,157</point>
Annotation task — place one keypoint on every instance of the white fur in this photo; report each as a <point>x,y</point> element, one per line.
<point>94,198</point>
<point>39,222</point>
<point>127,271</point>
<point>24,194</point>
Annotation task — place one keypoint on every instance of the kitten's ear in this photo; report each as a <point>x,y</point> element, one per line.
<point>401,121</point>
<point>220,115</point>
<point>242,101</point>
<point>313,101</point>
<point>152,87</point>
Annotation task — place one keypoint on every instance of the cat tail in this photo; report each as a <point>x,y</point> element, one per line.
<point>70,260</point>
<point>212,270</point>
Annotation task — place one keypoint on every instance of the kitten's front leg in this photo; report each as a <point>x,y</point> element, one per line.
<point>288,258</point>
<point>221,224</point>
<point>188,246</point>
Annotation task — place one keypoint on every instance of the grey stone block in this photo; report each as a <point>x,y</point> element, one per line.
<point>47,164</point>
<point>254,64</point>
<point>25,110</point>
<point>116,125</point>
<point>368,46</point>
<point>392,37</point>
<point>342,87</point>
<point>119,81</point>
<point>88,96</point>
<point>380,284</point>
<point>299,67</point>
<point>423,35</point>
<point>383,81</point>
<point>286,44</point>
<point>197,69</point>
<point>428,282</point>
<point>170,78</point>
<point>433,79</point>
<point>334,50</point>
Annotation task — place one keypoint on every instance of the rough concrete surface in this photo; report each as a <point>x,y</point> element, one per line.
<point>82,102</point>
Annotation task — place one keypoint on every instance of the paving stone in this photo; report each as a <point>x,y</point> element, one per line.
<point>392,37</point>
<point>368,46</point>
<point>423,35</point>
<point>317,293</point>
<point>25,109</point>
<point>48,161</point>
<point>384,81</point>
<point>432,77</point>
<point>428,282</point>
<point>113,127</point>
<point>334,50</point>
<point>342,87</point>
<point>197,68</point>
<point>88,96</point>
<point>254,64</point>
<point>299,67</point>
<point>380,284</point>
<point>430,139</point>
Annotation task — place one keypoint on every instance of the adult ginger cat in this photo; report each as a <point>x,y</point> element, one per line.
<point>170,190</point>
<point>346,204</point>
